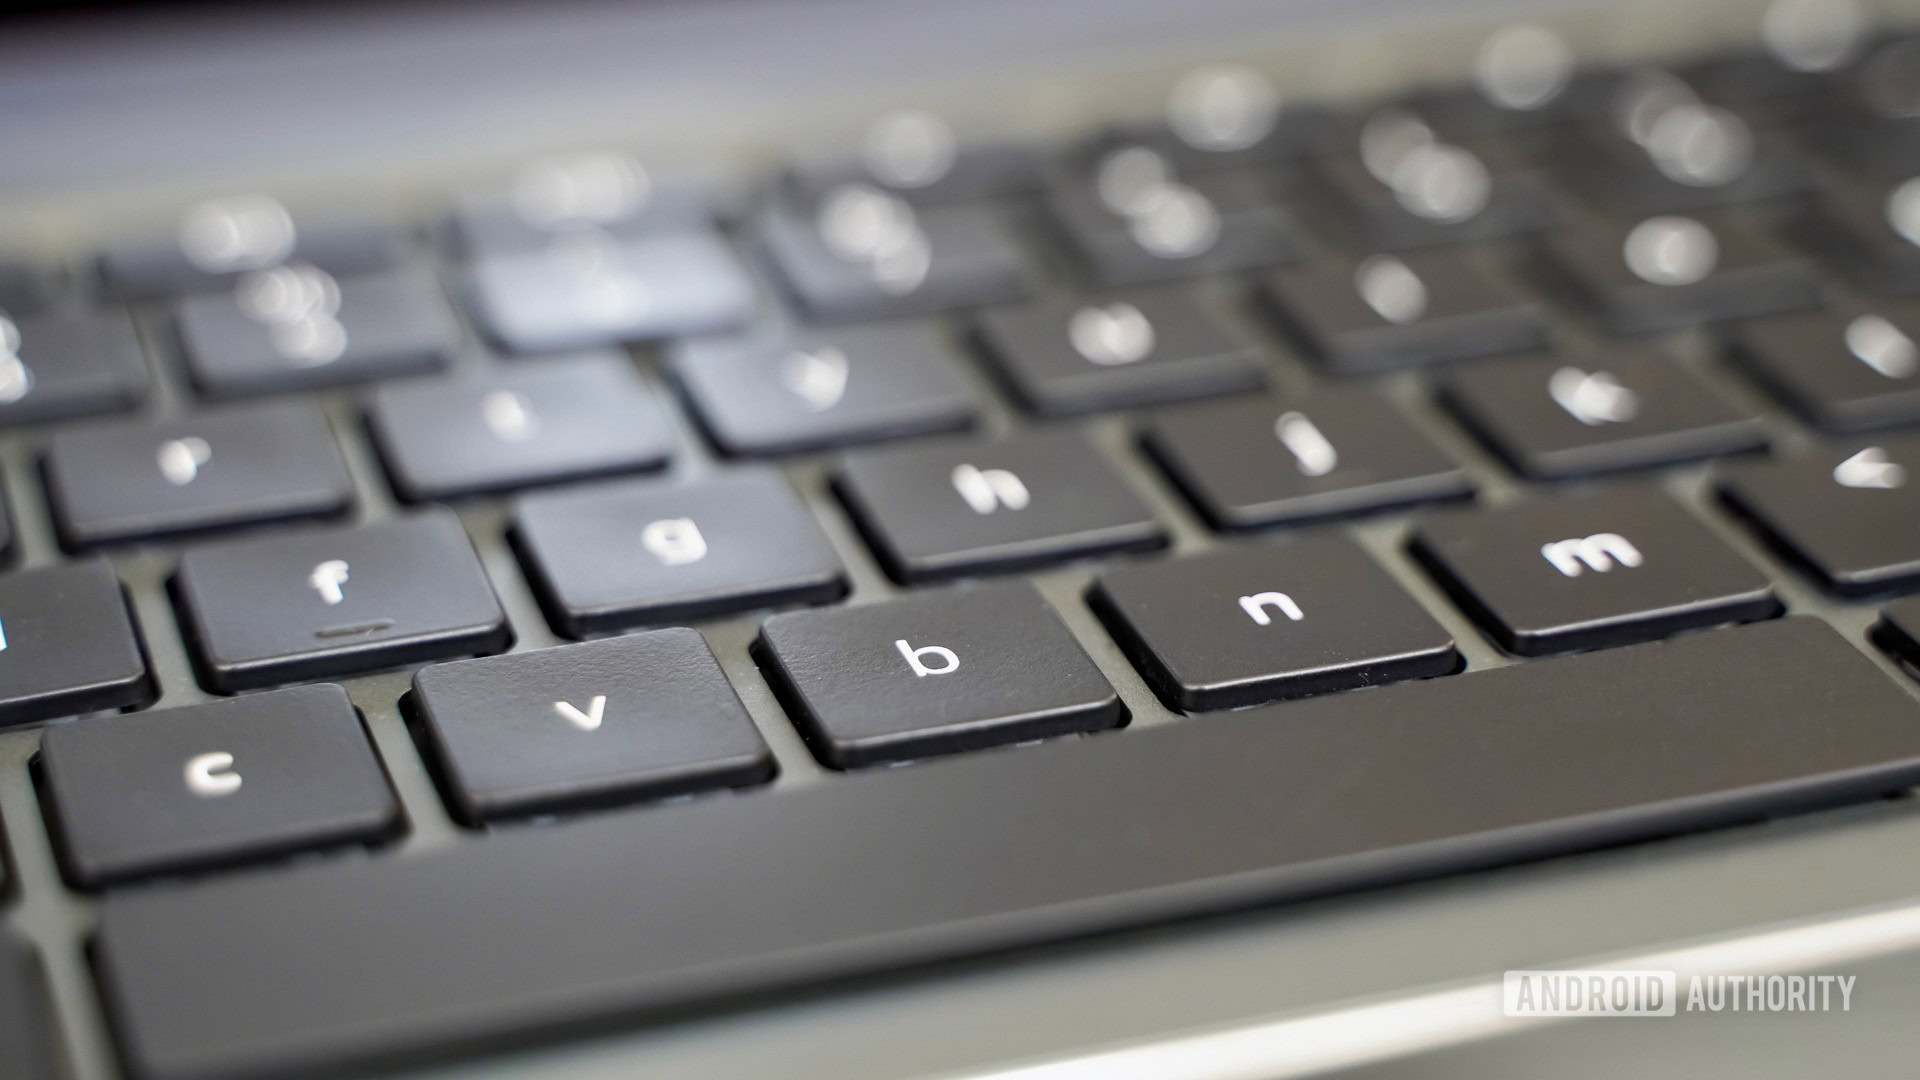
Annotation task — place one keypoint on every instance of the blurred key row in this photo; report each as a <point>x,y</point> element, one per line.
<point>1645,198</point>
<point>1334,448</point>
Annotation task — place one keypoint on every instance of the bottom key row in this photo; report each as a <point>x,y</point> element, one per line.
<point>622,914</point>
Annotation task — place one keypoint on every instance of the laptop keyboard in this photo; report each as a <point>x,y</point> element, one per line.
<point>1017,495</point>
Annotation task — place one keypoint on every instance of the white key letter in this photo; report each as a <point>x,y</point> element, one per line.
<point>674,541</point>
<point>207,775</point>
<point>921,670</point>
<point>986,490</point>
<point>1256,607</point>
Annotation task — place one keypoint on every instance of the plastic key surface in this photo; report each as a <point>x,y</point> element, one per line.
<point>26,1019</point>
<point>216,783</point>
<point>67,644</point>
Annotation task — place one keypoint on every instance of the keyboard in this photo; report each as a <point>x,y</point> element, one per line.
<point>597,600</point>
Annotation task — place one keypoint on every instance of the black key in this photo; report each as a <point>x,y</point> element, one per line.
<point>1336,450</point>
<point>1439,193</point>
<point>320,603</point>
<point>6,531</point>
<point>917,157</point>
<point>25,285</point>
<point>549,196</point>
<point>295,327</point>
<point>1879,147</point>
<point>1127,220</point>
<point>1135,348</point>
<point>1554,418</point>
<point>588,415</point>
<point>1250,625</point>
<point>1609,169</point>
<point>1390,311</point>
<point>1584,573</point>
<point>1898,630</point>
<point>1870,233</point>
<point>215,784</point>
<point>864,254</point>
<point>958,669</point>
<point>1839,372</point>
<point>1844,514</point>
<point>589,288</point>
<point>68,644</point>
<point>1657,273</point>
<point>779,393</point>
<point>1870,128</point>
<point>938,510</point>
<point>129,480</point>
<point>1758,83</point>
<point>1296,130</point>
<point>68,363</point>
<point>214,240</point>
<point>645,716</point>
<point>612,557</point>
<point>544,928</point>
<point>26,1015</point>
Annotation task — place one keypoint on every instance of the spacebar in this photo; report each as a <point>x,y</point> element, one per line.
<point>618,915</point>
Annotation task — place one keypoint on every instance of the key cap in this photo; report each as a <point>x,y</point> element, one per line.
<point>1870,128</point>
<point>1868,232</point>
<point>128,480</point>
<point>216,239</point>
<point>938,673</point>
<point>26,285</point>
<point>1142,224</point>
<point>1294,130</point>
<point>587,289</point>
<point>636,554</point>
<point>322,603</point>
<point>939,510</point>
<point>1250,625</point>
<point>538,929</point>
<point>213,785</point>
<point>1841,372</point>
<point>918,157</point>
<point>298,327</point>
<point>548,196</point>
<point>1553,418</point>
<point>1898,630</point>
<point>1434,192</point>
<point>1656,273</point>
<point>646,716</point>
<point>781,393</point>
<point>1391,311</point>
<point>1557,575</point>
<point>1844,514</point>
<point>1335,450</point>
<point>1678,169</point>
<point>1126,349</point>
<point>1758,84</point>
<point>562,419</point>
<point>68,644</point>
<point>865,254</point>
<point>68,363</point>
<point>26,1019</point>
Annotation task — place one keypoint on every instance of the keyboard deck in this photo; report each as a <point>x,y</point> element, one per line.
<point>1425,450</point>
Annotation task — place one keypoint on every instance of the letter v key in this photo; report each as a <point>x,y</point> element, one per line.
<point>585,721</point>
